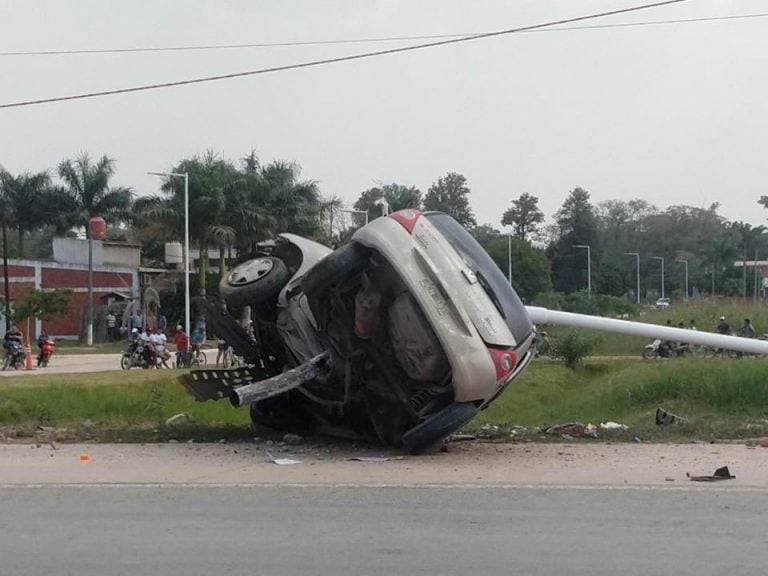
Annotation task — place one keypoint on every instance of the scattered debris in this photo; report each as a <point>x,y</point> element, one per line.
<point>375,458</point>
<point>182,419</point>
<point>85,457</point>
<point>721,473</point>
<point>282,461</point>
<point>461,437</point>
<point>613,426</point>
<point>572,429</point>
<point>293,439</point>
<point>664,418</point>
<point>669,479</point>
<point>763,444</point>
<point>566,437</point>
<point>489,431</point>
<point>636,440</point>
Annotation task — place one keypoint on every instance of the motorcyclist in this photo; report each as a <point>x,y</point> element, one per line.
<point>40,342</point>
<point>13,335</point>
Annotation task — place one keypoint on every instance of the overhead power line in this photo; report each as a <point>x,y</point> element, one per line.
<point>348,58</point>
<point>375,40</point>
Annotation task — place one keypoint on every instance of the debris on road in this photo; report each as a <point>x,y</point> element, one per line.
<point>489,431</point>
<point>613,426</point>
<point>664,418</point>
<point>179,420</point>
<point>461,437</point>
<point>721,473</point>
<point>375,458</point>
<point>293,439</point>
<point>572,429</point>
<point>282,461</point>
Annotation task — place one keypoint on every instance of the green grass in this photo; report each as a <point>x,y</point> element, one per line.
<point>107,406</point>
<point>720,398</point>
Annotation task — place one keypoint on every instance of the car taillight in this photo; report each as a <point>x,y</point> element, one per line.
<point>505,360</point>
<point>407,218</point>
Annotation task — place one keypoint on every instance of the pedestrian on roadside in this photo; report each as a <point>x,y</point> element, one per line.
<point>722,326</point>
<point>137,320</point>
<point>692,326</point>
<point>162,324</point>
<point>111,326</point>
<point>747,330</point>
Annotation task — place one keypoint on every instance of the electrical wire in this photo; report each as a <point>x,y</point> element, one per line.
<point>348,58</point>
<point>204,47</point>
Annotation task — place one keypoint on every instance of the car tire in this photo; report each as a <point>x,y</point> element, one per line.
<point>254,281</point>
<point>431,431</point>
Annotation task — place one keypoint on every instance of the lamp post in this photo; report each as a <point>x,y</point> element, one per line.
<point>184,175</point>
<point>662,272</point>
<point>509,257</point>
<point>637,259</point>
<point>589,267</point>
<point>685,262</point>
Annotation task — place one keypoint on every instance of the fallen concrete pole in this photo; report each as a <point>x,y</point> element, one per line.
<point>653,331</point>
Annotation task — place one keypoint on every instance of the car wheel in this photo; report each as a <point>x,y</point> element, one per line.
<point>431,431</point>
<point>254,281</point>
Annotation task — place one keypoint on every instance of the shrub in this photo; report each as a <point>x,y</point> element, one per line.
<point>573,346</point>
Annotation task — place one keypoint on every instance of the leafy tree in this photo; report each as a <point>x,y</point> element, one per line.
<point>28,202</point>
<point>576,225</point>
<point>397,197</point>
<point>87,193</point>
<point>43,304</point>
<point>524,216</point>
<point>530,267</point>
<point>450,194</point>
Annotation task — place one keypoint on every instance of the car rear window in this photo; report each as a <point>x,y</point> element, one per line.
<point>488,274</point>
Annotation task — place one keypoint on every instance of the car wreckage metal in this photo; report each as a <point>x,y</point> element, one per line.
<point>400,336</point>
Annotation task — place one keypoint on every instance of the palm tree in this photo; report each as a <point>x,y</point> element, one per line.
<point>28,202</point>
<point>89,194</point>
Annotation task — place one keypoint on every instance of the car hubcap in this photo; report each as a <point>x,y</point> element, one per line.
<point>250,272</point>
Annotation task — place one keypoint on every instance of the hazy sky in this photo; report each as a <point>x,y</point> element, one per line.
<point>674,114</point>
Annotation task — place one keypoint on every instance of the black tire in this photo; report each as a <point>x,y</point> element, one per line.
<point>431,431</point>
<point>649,353</point>
<point>254,281</point>
<point>125,362</point>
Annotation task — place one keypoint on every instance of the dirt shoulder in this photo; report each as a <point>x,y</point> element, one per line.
<point>464,464</point>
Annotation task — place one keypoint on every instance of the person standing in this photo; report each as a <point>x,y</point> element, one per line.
<point>111,326</point>
<point>137,320</point>
<point>162,324</point>
<point>181,340</point>
<point>747,330</point>
<point>722,326</point>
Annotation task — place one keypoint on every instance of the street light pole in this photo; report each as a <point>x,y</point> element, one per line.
<point>662,272</point>
<point>637,258</point>
<point>509,258</point>
<point>589,267</point>
<point>184,175</point>
<point>684,261</point>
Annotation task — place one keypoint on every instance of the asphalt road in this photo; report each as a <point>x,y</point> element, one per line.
<point>164,531</point>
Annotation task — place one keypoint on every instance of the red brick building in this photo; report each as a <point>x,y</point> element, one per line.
<point>109,284</point>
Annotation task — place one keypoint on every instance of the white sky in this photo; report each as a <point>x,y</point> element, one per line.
<point>675,114</point>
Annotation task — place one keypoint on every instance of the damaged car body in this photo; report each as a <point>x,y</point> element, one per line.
<point>400,336</point>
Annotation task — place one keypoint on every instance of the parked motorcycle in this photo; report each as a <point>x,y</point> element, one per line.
<point>14,356</point>
<point>665,349</point>
<point>47,348</point>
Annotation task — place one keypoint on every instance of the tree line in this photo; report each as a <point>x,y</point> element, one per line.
<point>236,205</point>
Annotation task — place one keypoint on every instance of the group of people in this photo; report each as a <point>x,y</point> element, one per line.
<point>154,346</point>
<point>747,330</point>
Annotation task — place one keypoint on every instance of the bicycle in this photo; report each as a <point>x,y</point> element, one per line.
<point>230,359</point>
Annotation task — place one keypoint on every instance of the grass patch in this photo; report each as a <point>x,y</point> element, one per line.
<point>720,398</point>
<point>127,406</point>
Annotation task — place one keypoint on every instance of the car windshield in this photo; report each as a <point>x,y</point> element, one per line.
<point>488,274</point>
